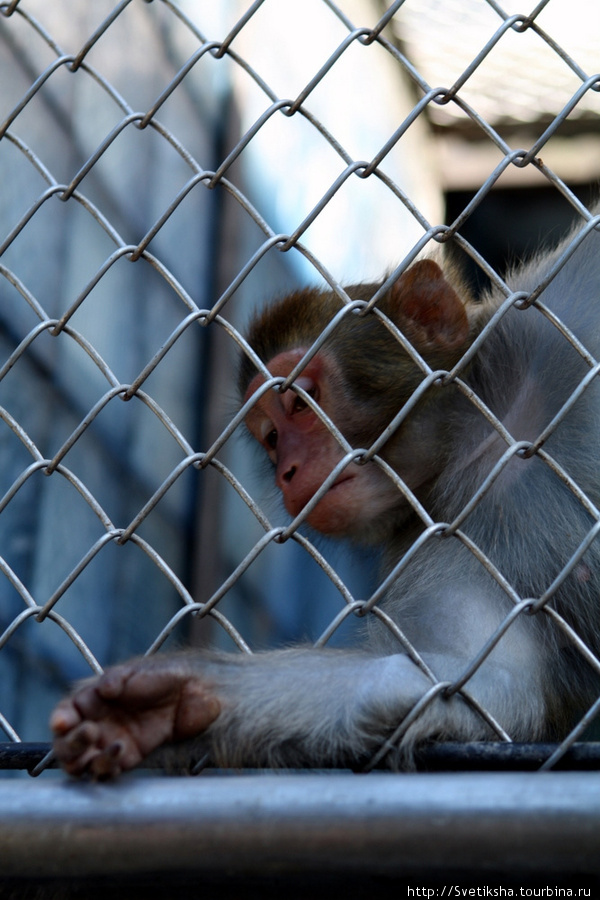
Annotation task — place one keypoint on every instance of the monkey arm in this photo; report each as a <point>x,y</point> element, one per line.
<point>337,708</point>
<point>306,707</point>
<point>291,708</point>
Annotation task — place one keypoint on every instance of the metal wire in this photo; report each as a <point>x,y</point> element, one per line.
<point>62,327</point>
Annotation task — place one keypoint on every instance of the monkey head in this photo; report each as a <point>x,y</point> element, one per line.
<point>360,379</point>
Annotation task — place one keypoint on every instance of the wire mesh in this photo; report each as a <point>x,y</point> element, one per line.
<point>78,330</point>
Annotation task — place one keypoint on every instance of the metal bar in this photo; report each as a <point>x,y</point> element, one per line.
<point>486,756</point>
<point>294,823</point>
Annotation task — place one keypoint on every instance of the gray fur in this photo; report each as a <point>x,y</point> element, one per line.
<point>319,707</point>
<point>307,707</point>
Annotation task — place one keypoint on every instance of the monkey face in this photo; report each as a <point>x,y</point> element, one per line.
<point>305,451</point>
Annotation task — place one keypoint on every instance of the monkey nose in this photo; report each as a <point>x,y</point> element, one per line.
<point>284,475</point>
<point>289,474</point>
<point>289,462</point>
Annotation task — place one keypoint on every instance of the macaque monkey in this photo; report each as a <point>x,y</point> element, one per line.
<point>458,588</point>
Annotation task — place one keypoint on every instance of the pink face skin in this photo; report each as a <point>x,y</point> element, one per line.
<point>304,452</point>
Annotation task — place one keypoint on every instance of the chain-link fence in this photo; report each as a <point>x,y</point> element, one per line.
<point>166,168</point>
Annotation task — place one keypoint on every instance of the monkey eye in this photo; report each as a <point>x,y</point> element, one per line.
<point>267,434</point>
<point>297,403</point>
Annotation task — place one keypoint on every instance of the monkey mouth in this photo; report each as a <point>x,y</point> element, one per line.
<point>343,479</point>
<point>336,512</point>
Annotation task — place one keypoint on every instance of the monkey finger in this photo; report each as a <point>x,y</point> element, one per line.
<point>109,763</point>
<point>64,718</point>
<point>140,686</point>
<point>77,742</point>
<point>89,702</point>
<point>112,683</point>
<point>82,764</point>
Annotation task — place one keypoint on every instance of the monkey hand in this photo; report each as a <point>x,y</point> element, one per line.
<point>111,722</point>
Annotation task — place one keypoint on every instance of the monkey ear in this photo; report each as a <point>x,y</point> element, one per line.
<point>425,305</point>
